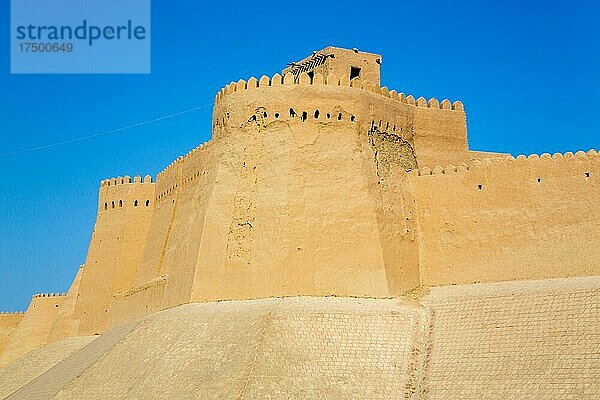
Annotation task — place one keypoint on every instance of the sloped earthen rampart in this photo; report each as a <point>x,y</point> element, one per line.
<point>526,340</point>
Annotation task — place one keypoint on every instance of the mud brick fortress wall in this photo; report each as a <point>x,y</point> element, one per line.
<point>316,184</point>
<point>507,219</point>
<point>8,324</point>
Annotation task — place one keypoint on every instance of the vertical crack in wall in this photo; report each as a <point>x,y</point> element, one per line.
<point>240,238</point>
<point>163,251</point>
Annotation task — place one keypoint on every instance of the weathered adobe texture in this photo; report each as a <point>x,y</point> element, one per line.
<point>8,325</point>
<point>309,186</point>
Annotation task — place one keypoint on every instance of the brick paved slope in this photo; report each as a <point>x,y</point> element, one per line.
<point>521,340</point>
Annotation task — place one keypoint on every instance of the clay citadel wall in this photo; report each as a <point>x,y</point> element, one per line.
<point>34,328</point>
<point>321,185</point>
<point>8,324</point>
<point>506,219</point>
<point>125,209</point>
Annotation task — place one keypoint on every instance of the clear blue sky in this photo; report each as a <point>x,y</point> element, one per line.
<point>528,73</point>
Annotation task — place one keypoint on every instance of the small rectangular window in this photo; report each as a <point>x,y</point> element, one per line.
<point>354,72</point>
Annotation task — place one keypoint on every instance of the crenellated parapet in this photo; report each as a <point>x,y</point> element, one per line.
<point>181,172</point>
<point>42,295</point>
<point>126,193</point>
<point>193,165</point>
<point>168,181</point>
<point>125,180</point>
<point>438,127</point>
<point>332,80</point>
<point>532,164</point>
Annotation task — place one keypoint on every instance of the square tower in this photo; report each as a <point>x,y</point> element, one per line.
<point>340,62</point>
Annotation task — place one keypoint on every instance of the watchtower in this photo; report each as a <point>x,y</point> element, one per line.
<point>339,62</point>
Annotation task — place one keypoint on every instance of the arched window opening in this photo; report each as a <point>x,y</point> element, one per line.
<point>113,204</point>
<point>317,114</point>
<point>304,116</point>
<point>147,203</point>
<point>120,203</point>
<point>276,115</point>
<point>352,118</point>
<point>105,206</point>
<point>339,116</point>
<point>292,113</point>
<point>135,203</point>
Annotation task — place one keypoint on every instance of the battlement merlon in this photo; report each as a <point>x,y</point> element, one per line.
<point>339,62</point>
<point>125,180</point>
<point>125,192</point>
